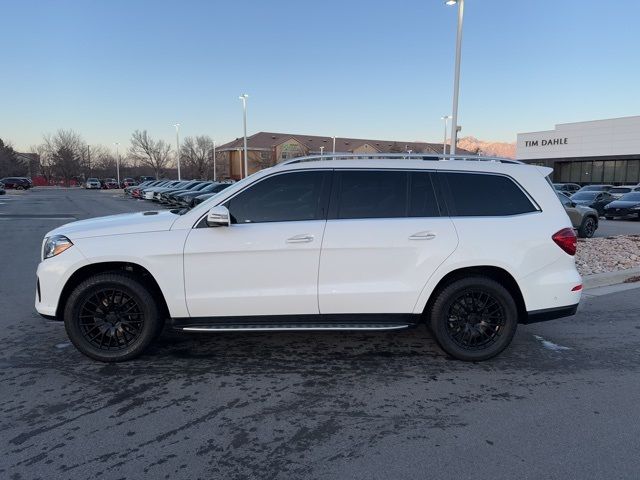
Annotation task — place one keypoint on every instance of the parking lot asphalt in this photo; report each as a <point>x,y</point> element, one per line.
<point>560,403</point>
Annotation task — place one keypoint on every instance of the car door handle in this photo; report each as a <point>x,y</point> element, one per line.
<point>302,238</point>
<point>423,236</point>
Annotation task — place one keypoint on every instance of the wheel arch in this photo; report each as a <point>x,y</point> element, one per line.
<point>498,274</point>
<point>92,269</point>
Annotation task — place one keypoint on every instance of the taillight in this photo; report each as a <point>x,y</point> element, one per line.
<point>566,240</point>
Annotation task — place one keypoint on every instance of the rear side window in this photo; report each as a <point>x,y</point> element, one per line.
<point>484,195</point>
<point>384,194</point>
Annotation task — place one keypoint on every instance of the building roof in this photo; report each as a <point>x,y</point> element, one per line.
<point>269,140</point>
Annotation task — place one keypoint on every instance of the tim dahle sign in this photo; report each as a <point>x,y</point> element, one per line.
<point>545,142</point>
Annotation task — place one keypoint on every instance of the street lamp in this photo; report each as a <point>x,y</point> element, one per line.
<point>444,143</point>
<point>321,151</point>
<point>117,144</point>
<point>177,125</point>
<point>214,160</point>
<point>334,145</point>
<point>244,97</point>
<point>456,80</point>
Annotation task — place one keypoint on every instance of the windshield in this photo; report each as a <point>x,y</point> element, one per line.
<point>631,197</point>
<point>620,190</point>
<point>594,188</point>
<point>584,195</point>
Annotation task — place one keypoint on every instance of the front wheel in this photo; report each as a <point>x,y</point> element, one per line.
<point>111,317</point>
<point>587,228</point>
<point>474,318</point>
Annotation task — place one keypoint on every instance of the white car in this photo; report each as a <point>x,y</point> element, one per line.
<point>92,183</point>
<point>618,192</point>
<point>470,248</point>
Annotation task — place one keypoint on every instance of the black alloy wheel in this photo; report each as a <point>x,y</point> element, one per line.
<point>112,317</point>
<point>588,228</point>
<point>473,318</point>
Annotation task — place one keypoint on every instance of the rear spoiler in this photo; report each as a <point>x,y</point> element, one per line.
<point>545,171</point>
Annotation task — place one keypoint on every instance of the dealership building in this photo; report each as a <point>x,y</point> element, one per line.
<point>598,151</point>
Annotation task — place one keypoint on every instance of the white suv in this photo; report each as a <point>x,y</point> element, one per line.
<point>470,248</point>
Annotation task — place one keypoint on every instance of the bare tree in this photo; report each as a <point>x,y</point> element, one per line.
<point>149,152</point>
<point>195,155</point>
<point>65,152</point>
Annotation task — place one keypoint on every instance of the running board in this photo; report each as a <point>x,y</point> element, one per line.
<point>292,327</point>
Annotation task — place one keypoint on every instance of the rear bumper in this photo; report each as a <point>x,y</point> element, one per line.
<point>536,316</point>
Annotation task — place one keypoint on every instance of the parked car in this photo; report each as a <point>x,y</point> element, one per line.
<point>147,178</point>
<point>595,199</point>
<point>92,183</point>
<point>16,183</point>
<point>617,192</point>
<point>185,184</point>
<point>377,244</point>
<point>171,199</point>
<point>110,184</point>
<point>596,188</point>
<point>135,191</point>
<point>128,182</point>
<point>148,192</point>
<point>584,219</point>
<point>625,206</point>
<point>566,188</point>
<point>186,199</point>
<point>2,190</point>
<point>201,198</point>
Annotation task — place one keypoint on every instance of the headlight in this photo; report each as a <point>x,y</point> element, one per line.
<point>55,246</point>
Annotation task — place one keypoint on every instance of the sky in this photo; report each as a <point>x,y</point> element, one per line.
<point>348,68</point>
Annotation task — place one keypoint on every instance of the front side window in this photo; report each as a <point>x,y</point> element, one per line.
<point>484,195</point>
<point>287,197</point>
<point>385,194</point>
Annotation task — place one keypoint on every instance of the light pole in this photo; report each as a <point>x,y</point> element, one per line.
<point>117,144</point>
<point>321,151</point>
<point>444,143</point>
<point>456,80</point>
<point>334,145</point>
<point>244,97</point>
<point>177,125</point>
<point>214,160</point>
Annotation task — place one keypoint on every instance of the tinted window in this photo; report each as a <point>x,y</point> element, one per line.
<point>281,198</point>
<point>372,194</point>
<point>584,195</point>
<point>620,190</point>
<point>474,195</point>
<point>385,194</point>
<point>422,199</point>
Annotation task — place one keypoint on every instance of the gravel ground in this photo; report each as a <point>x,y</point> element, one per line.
<point>598,255</point>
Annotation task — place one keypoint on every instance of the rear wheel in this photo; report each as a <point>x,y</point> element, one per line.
<point>474,318</point>
<point>587,228</point>
<point>111,317</point>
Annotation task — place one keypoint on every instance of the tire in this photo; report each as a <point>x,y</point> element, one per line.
<point>112,317</point>
<point>587,228</point>
<point>609,218</point>
<point>472,338</point>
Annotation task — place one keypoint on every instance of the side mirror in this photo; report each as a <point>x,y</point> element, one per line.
<point>572,205</point>
<point>219,216</point>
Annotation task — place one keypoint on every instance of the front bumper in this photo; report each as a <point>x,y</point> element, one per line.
<point>52,275</point>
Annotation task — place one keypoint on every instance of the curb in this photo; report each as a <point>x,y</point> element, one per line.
<point>609,278</point>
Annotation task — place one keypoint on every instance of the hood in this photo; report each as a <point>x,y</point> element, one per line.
<point>126,223</point>
<point>623,204</point>
<point>583,209</point>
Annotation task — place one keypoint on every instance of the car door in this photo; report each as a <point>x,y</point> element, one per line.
<point>384,238</point>
<point>266,261</point>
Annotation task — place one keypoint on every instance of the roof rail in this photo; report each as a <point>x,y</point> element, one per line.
<point>433,157</point>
